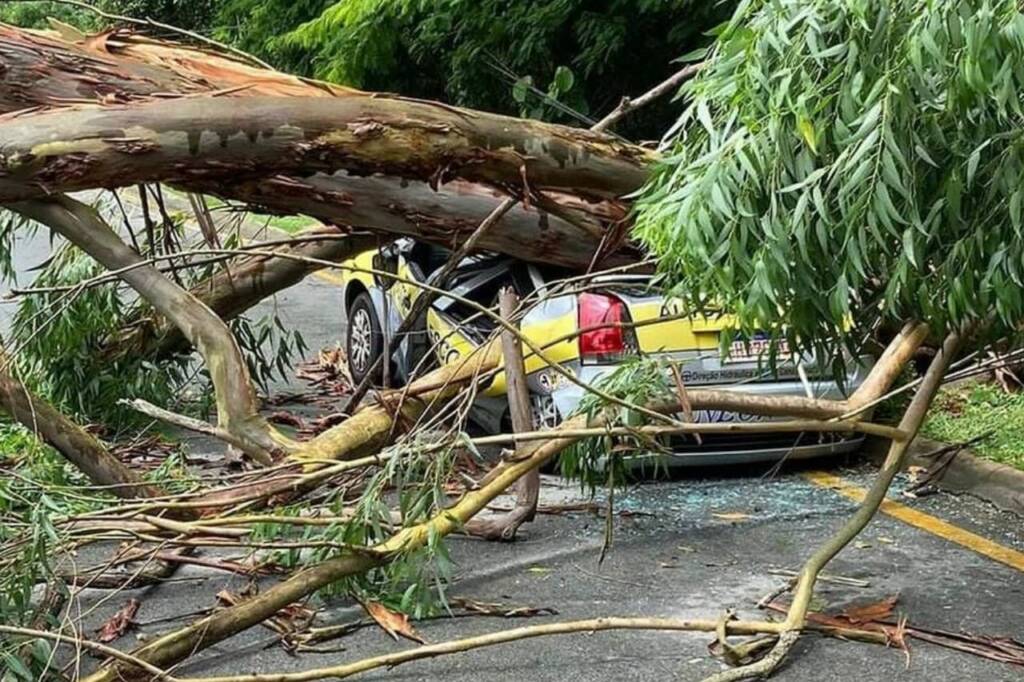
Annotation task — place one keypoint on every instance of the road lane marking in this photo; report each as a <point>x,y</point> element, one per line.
<point>330,276</point>
<point>925,522</point>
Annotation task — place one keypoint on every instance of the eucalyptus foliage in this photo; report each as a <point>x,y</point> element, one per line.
<point>848,163</point>
<point>413,480</point>
<point>40,490</point>
<point>65,330</point>
<point>58,338</point>
<point>598,460</point>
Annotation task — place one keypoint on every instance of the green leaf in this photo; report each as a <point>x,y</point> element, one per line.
<point>807,131</point>
<point>909,247</point>
<point>1014,206</point>
<point>693,55</point>
<point>521,89</point>
<point>563,80</point>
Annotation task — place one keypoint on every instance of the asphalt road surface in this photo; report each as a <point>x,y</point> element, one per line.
<point>690,547</point>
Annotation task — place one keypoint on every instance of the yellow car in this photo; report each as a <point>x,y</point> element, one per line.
<point>566,321</point>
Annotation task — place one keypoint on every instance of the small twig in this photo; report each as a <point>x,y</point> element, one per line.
<point>942,458</point>
<point>199,426</point>
<point>956,447</point>
<point>767,599</point>
<point>825,578</point>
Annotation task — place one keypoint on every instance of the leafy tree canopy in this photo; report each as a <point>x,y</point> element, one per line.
<point>198,15</point>
<point>38,14</point>
<point>472,52</point>
<point>855,160</point>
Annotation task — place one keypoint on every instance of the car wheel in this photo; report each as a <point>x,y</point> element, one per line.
<point>364,341</point>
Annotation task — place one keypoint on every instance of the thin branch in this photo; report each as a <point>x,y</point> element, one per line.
<point>628,105</point>
<point>429,651</point>
<point>426,298</point>
<point>156,672</point>
<point>794,426</point>
<point>192,424</point>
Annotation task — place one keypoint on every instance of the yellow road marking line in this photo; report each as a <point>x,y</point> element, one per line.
<point>925,522</point>
<point>330,276</point>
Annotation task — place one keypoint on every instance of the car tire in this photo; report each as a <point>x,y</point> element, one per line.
<point>364,341</point>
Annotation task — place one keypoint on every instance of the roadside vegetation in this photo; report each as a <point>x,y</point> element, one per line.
<point>845,167</point>
<point>985,410</point>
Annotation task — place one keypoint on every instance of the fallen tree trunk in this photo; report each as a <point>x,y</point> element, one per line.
<point>234,290</point>
<point>214,141</point>
<point>567,233</point>
<point>42,70</point>
<point>312,123</point>
<point>74,443</point>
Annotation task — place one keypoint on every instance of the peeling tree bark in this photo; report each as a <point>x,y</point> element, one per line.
<point>445,215</point>
<point>42,70</point>
<point>214,141</point>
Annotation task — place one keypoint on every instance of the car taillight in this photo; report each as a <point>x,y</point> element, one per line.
<point>597,342</point>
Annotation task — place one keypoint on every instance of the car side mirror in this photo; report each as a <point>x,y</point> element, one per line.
<point>385,261</point>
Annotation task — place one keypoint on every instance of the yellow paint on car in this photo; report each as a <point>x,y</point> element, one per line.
<point>451,343</point>
<point>541,333</point>
<point>698,333</point>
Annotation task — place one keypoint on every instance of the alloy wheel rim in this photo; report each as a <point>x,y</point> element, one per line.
<point>362,332</point>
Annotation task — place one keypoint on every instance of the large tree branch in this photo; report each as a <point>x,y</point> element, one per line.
<point>74,443</point>
<point>234,290</point>
<point>216,141</point>
<point>45,71</point>
<point>237,406</point>
<point>445,215</point>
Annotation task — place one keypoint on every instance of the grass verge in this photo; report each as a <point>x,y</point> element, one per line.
<point>966,411</point>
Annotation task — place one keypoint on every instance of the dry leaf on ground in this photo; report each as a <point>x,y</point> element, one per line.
<point>392,622</point>
<point>118,624</point>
